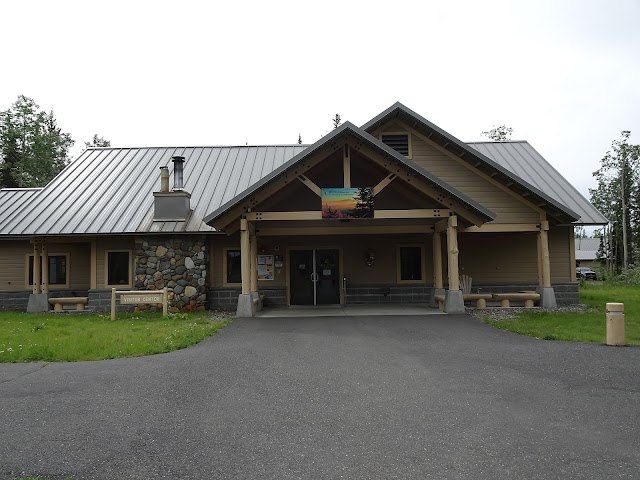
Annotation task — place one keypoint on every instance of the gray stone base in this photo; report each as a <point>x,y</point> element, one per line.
<point>367,294</point>
<point>547,297</point>
<point>100,301</point>
<point>246,307</point>
<point>453,301</point>
<point>14,301</point>
<point>38,303</point>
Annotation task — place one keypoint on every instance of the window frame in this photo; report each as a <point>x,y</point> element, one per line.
<point>400,132</point>
<point>27,271</point>
<point>225,269</point>
<point>106,269</point>
<point>423,269</point>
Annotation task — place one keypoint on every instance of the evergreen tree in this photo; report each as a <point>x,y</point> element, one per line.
<point>34,149</point>
<point>617,197</point>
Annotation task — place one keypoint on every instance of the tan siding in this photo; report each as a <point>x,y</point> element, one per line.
<point>499,257</point>
<point>79,263</point>
<point>507,208</point>
<point>560,253</point>
<point>12,256</point>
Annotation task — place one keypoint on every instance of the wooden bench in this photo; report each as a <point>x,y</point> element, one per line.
<point>479,298</point>
<point>440,301</point>
<point>527,297</point>
<point>58,303</point>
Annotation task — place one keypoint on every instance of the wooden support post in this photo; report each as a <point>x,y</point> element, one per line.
<point>452,252</point>
<point>437,260</point>
<point>45,266</point>
<point>346,160</point>
<point>245,256</point>
<point>93,280</point>
<point>37,262</point>
<point>544,255</point>
<point>572,255</point>
<point>254,257</point>
<point>165,302</point>
<point>539,251</point>
<point>113,304</point>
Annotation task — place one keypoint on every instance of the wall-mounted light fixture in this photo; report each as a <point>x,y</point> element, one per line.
<point>369,257</point>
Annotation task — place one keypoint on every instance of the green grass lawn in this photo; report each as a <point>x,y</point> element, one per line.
<point>26,337</point>
<point>587,326</point>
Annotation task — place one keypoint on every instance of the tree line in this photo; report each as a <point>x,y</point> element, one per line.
<point>617,196</point>
<point>33,148</point>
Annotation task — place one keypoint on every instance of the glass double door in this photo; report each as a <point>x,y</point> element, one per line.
<point>315,277</point>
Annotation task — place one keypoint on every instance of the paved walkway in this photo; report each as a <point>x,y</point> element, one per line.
<point>439,396</point>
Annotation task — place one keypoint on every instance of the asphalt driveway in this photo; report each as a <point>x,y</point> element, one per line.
<point>439,396</point>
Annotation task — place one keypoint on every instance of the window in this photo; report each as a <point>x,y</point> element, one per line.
<point>118,268</point>
<point>57,269</point>
<point>410,264</point>
<point>233,267</point>
<point>399,141</point>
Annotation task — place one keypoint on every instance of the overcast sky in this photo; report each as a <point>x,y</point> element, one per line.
<point>565,75</point>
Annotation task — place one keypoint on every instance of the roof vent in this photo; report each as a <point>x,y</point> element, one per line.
<point>178,167</point>
<point>398,141</point>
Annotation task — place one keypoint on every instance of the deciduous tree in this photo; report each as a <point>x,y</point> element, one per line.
<point>501,133</point>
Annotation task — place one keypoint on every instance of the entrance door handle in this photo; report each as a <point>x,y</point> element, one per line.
<point>314,277</point>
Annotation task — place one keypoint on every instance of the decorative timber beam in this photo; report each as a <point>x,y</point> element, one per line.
<point>344,230</point>
<point>383,183</point>
<point>312,186</point>
<point>377,214</point>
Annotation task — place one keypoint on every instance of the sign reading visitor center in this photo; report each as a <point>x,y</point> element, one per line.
<point>347,202</point>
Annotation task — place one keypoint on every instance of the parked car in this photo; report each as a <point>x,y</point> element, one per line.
<point>586,273</point>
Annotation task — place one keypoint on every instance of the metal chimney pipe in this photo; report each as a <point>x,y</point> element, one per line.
<point>178,166</point>
<point>164,179</point>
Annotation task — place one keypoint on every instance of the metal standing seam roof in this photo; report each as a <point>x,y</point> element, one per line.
<point>13,200</point>
<point>587,248</point>
<point>348,127</point>
<point>109,190</point>
<point>520,158</point>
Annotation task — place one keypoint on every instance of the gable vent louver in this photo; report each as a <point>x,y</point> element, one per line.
<point>399,142</point>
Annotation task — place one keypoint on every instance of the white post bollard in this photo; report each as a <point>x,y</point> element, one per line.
<point>615,324</point>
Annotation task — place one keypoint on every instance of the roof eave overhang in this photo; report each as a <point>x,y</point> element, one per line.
<point>560,212</point>
<point>347,129</point>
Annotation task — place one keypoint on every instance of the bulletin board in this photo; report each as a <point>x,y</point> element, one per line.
<point>265,267</point>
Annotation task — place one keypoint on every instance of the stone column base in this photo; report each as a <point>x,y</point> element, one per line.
<point>547,297</point>
<point>38,303</point>
<point>453,301</point>
<point>246,307</point>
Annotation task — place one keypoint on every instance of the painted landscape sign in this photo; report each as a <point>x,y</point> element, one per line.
<point>347,202</point>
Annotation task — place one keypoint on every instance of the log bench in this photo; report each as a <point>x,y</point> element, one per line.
<point>58,303</point>
<point>527,297</point>
<point>479,298</point>
<point>440,301</point>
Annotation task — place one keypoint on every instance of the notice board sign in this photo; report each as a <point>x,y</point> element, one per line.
<point>265,267</point>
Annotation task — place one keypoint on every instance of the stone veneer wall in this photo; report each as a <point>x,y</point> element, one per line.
<point>178,263</point>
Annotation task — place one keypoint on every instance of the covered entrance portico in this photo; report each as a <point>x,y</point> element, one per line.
<point>398,243</point>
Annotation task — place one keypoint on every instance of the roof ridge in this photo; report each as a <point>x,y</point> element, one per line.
<point>203,146</point>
